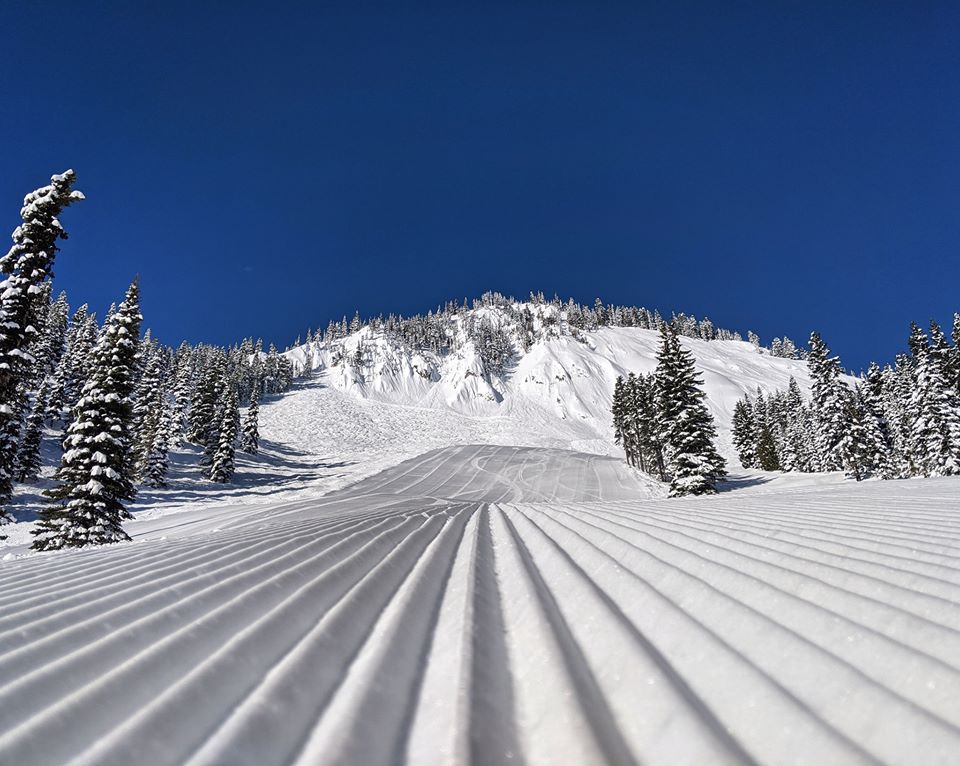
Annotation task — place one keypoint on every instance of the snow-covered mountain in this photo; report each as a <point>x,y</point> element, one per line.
<point>556,387</point>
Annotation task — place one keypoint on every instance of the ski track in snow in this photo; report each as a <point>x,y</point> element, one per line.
<point>493,605</point>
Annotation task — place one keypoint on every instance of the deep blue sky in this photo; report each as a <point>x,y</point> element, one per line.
<point>776,166</point>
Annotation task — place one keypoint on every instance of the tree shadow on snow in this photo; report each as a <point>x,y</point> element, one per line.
<point>740,481</point>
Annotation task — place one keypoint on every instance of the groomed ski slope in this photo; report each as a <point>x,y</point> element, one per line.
<point>498,605</point>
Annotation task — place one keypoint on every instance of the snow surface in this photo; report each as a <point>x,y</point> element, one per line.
<point>500,605</point>
<point>385,584</point>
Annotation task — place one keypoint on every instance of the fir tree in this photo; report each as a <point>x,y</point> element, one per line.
<point>28,458</point>
<point>148,408</point>
<point>644,407</point>
<point>877,439</point>
<point>27,265</point>
<point>935,433</point>
<point>203,411</point>
<point>744,434</point>
<point>685,425</point>
<point>830,404</point>
<point>797,441</point>
<point>222,466</point>
<point>182,390</point>
<point>250,440</point>
<point>898,383</point>
<point>155,463</point>
<point>93,475</point>
<point>74,367</point>
<point>766,449</point>
<point>954,377</point>
<point>52,337</point>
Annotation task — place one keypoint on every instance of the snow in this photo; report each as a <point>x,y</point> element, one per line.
<point>560,392</point>
<point>425,565</point>
<point>335,428</point>
<point>496,604</point>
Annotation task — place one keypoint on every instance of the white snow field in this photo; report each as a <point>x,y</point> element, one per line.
<point>498,605</point>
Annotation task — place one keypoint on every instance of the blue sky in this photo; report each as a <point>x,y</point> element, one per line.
<point>265,167</point>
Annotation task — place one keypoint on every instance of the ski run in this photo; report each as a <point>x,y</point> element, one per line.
<point>483,604</point>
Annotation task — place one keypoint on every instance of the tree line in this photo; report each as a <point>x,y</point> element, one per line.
<point>894,422</point>
<point>119,402</point>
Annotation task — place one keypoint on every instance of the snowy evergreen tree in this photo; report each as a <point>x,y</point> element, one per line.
<point>149,410</point>
<point>52,338</point>
<point>684,423</point>
<point>830,402</point>
<point>877,439</point>
<point>767,458</point>
<point>28,457</point>
<point>250,440</point>
<point>621,420</point>
<point>954,376</point>
<point>156,461</point>
<point>74,367</point>
<point>182,391</point>
<point>27,265</point>
<point>222,466</point>
<point>800,446</point>
<point>898,384</point>
<point>203,411</point>
<point>935,432</point>
<point>94,470</point>
<point>744,434</point>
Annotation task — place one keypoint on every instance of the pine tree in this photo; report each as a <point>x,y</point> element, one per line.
<point>797,440</point>
<point>203,411</point>
<point>954,377</point>
<point>222,467</point>
<point>877,439</point>
<point>52,336</point>
<point>935,433</point>
<point>831,405</point>
<point>643,389</point>
<point>74,367</point>
<point>93,475</point>
<point>148,408</point>
<point>685,425</point>
<point>744,435</point>
<point>156,461</point>
<point>898,384</point>
<point>27,265</point>
<point>182,390</point>
<point>250,440</point>
<point>28,458</point>
<point>853,446</point>
<point>766,449</point>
